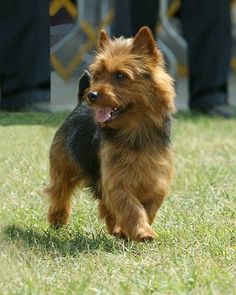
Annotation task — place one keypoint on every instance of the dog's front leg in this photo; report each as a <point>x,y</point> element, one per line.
<point>130,214</point>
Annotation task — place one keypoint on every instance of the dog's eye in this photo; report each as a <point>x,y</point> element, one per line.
<point>120,76</point>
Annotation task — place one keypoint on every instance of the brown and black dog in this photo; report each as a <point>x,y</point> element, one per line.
<point>117,139</point>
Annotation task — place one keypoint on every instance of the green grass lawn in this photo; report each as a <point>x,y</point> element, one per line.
<point>195,250</point>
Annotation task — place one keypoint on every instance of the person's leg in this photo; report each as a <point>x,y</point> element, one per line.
<point>121,22</point>
<point>24,53</point>
<point>131,15</point>
<point>206,26</point>
<point>143,13</point>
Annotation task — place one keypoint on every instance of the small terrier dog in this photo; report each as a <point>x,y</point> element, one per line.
<point>117,139</point>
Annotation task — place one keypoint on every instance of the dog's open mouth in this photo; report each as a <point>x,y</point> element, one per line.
<point>107,114</point>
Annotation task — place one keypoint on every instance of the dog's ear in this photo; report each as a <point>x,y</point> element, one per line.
<point>144,41</point>
<point>84,83</point>
<point>103,39</point>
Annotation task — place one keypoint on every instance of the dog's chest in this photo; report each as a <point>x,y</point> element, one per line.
<point>138,167</point>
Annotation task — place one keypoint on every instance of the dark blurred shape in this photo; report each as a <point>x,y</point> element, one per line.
<point>24,55</point>
<point>207,30</point>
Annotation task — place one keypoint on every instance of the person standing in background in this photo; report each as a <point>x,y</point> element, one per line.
<point>24,55</point>
<point>207,30</point>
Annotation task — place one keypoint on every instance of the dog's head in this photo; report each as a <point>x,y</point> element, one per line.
<point>128,81</point>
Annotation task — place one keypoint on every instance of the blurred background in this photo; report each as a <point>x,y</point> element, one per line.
<point>74,27</point>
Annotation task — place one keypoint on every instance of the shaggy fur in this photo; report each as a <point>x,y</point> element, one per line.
<point>117,139</point>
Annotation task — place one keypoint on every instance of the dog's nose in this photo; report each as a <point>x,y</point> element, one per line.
<point>92,96</point>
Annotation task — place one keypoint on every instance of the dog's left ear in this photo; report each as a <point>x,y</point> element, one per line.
<point>144,41</point>
<point>84,83</point>
<point>103,39</point>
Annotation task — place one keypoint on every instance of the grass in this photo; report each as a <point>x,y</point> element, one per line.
<point>195,251</point>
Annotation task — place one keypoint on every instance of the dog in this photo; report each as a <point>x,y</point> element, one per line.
<point>117,139</point>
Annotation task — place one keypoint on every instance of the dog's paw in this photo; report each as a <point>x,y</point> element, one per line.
<point>58,218</point>
<point>144,234</point>
<point>117,232</point>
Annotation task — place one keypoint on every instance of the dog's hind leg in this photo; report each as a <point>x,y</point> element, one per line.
<point>112,227</point>
<point>109,218</point>
<point>64,178</point>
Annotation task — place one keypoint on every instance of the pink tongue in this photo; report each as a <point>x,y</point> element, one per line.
<point>103,114</point>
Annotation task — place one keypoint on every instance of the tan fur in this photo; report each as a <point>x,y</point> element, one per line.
<point>134,182</point>
<point>65,176</point>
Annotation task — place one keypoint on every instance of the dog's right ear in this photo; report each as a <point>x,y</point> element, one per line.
<point>84,83</point>
<point>103,39</point>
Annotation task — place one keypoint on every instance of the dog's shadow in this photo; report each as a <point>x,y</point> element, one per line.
<point>71,244</point>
